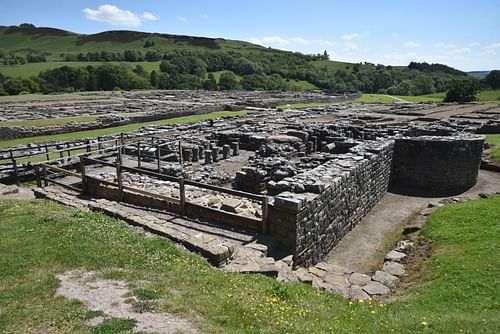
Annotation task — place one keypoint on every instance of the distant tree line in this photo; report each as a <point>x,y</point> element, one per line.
<point>12,58</point>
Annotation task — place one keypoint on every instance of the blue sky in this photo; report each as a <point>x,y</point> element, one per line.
<point>463,34</point>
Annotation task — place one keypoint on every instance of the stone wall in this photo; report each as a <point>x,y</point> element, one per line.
<point>347,187</point>
<point>437,163</point>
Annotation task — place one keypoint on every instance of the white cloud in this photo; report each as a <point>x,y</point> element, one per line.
<point>118,17</point>
<point>299,40</point>
<point>350,37</point>
<point>270,40</point>
<point>204,17</point>
<point>460,51</point>
<point>473,44</point>
<point>445,46</point>
<point>181,18</point>
<point>150,16</point>
<point>351,46</point>
<point>412,44</point>
<point>113,15</point>
<point>493,46</point>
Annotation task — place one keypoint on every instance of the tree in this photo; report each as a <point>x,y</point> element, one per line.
<point>210,83</point>
<point>462,90</point>
<point>228,81</point>
<point>421,85</point>
<point>493,79</point>
<point>153,78</point>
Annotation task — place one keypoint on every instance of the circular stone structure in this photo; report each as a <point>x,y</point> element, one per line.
<point>438,163</point>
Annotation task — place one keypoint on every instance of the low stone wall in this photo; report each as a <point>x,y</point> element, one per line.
<point>437,163</point>
<point>311,224</point>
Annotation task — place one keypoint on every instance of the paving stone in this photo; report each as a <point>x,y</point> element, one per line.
<point>395,256</point>
<point>359,279</point>
<point>317,272</point>
<point>333,268</point>
<point>394,268</point>
<point>339,289</point>
<point>356,292</point>
<point>376,288</point>
<point>385,278</point>
<point>304,276</point>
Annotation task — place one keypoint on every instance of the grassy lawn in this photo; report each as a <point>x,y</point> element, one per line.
<point>30,69</point>
<point>49,121</point>
<point>51,97</point>
<point>495,141</point>
<point>39,239</point>
<point>422,99</point>
<point>119,129</point>
<point>375,98</point>
<point>489,95</point>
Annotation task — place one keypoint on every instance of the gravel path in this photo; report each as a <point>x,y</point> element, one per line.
<point>362,249</point>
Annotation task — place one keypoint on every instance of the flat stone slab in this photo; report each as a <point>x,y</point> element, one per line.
<point>376,288</point>
<point>385,278</point>
<point>333,268</point>
<point>357,293</point>
<point>395,256</point>
<point>359,279</point>
<point>394,268</point>
<point>304,276</point>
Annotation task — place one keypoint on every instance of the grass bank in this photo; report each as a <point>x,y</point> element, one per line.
<point>119,129</point>
<point>495,141</point>
<point>49,121</point>
<point>39,239</point>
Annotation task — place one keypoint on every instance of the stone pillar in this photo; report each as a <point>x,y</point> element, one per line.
<point>208,157</point>
<point>195,153</point>
<point>201,152</point>
<point>225,151</point>
<point>186,154</point>
<point>215,154</point>
<point>314,139</point>
<point>309,147</point>
<point>235,146</point>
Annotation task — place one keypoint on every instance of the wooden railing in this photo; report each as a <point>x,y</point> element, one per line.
<point>185,207</point>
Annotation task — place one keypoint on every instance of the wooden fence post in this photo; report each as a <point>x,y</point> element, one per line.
<point>182,195</point>
<point>47,152</point>
<point>45,180</point>
<point>265,209</point>
<point>180,154</point>
<point>122,142</point>
<point>158,157</point>
<point>82,172</point>
<point>119,180</point>
<point>37,174</point>
<point>16,171</point>
<point>99,146</point>
<point>69,149</point>
<point>139,154</point>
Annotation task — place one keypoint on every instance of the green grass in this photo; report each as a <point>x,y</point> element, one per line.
<point>49,121</point>
<point>422,99</point>
<point>488,96</point>
<point>39,239</point>
<point>495,141</point>
<point>31,69</point>
<point>300,105</point>
<point>119,129</point>
<point>375,98</point>
<point>301,85</point>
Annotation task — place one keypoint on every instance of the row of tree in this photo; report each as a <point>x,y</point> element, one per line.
<point>12,58</point>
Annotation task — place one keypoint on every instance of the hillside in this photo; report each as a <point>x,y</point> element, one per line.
<point>44,59</point>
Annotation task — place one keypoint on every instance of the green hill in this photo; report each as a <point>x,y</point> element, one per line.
<point>32,60</point>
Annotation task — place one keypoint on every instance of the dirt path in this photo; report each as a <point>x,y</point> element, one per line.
<point>110,296</point>
<point>362,249</point>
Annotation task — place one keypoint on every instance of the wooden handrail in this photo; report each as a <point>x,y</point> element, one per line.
<point>61,170</point>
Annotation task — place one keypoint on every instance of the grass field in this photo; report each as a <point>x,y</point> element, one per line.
<point>49,121</point>
<point>32,69</point>
<point>421,99</point>
<point>375,98</point>
<point>495,141</point>
<point>119,129</point>
<point>38,239</point>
